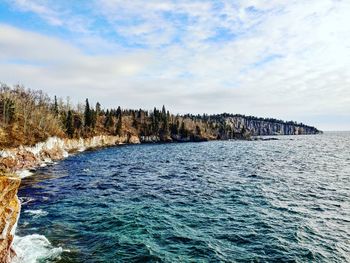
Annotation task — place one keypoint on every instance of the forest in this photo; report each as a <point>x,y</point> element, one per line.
<point>29,116</point>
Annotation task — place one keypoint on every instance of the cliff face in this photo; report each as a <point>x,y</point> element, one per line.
<point>9,213</point>
<point>259,126</point>
<point>23,158</point>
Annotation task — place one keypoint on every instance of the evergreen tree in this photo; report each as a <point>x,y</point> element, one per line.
<point>77,121</point>
<point>174,128</point>
<point>183,131</point>
<point>69,124</point>
<point>87,115</point>
<point>165,128</point>
<point>163,112</point>
<point>135,122</point>
<point>93,114</point>
<point>108,120</point>
<point>119,112</point>
<point>55,106</point>
<point>119,126</point>
<point>98,109</point>
<point>155,121</point>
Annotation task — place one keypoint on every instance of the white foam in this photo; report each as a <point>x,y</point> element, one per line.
<point>26,200</point>
<point>34,248</point>
<point>36,213</point>
<point>47,160</point>
<point>65,154</point>
<point>24,173</point>
<point>81,149</point>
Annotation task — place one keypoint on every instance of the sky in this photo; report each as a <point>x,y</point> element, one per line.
<point>287,59</point>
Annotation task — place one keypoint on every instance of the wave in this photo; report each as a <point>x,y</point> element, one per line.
<point>24,173</point>
<point>36,213</point>
<point>26,200</point>
<point>34,248</point>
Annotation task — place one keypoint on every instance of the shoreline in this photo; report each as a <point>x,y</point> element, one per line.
<point>16,164</point>
<point>21,162</point>
<point>22,159</point>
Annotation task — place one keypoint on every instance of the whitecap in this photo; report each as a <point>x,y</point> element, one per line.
<point>26,200</point>
<point>34,248</point>
<point>24,173</point>
<point>36,213</point>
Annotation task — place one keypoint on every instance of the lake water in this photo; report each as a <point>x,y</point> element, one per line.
<point>223,201</point>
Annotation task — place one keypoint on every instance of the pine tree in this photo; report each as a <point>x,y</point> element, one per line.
<point>135,122</point>
<point>119,126</point>
<point>55,106</point>
<point>119,112</point>
<point>173,129</point>
<point>93,114</point>
<point>77,122</point>
<point>87,115</point>
<point>69,124</point>
<point>165,127</point>
<point>183,131</point>
<point>108,120</point>
<point>163,112</point>
<point>98,109</point>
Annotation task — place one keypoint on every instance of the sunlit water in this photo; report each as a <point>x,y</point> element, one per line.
<point>221,201</point>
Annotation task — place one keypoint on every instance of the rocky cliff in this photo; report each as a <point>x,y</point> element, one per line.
<point>23,158</point>
<point>265,126</point>
<point>9,213</point>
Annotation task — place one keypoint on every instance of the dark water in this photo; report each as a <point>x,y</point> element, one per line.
<point>223,201</point>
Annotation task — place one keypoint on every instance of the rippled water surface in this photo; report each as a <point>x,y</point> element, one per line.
<point>224,201</point>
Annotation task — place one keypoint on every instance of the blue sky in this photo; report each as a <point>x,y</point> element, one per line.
<point>283,59</point>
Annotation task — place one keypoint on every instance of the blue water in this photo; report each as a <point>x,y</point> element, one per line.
<point>221,201</point>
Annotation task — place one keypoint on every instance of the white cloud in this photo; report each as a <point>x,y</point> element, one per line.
<point>288,60</point>
<point>54,14</point>
<point>55,66</point>
<point>41,9</point>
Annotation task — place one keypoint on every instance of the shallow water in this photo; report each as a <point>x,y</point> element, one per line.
<point>222,201</point>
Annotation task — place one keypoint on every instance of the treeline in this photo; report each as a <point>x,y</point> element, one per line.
<point>28,117</point>
<point>254,118</point>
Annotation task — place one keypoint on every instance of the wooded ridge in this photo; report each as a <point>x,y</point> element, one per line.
<point>28,117</point>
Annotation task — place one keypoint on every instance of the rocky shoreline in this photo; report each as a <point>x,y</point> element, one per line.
<point>16,163</point>
<point>21,159</point>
